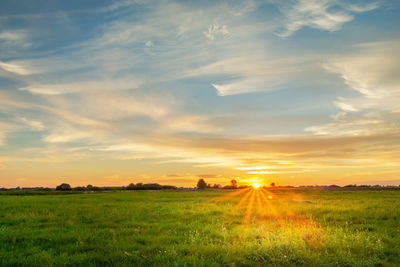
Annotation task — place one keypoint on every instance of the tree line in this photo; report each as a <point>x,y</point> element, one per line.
<point>131,186</point>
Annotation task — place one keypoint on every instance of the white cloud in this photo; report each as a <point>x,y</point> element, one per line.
<point>351,127</point>
<point>13,43</point>
<point>12,36</point>
<point>345,107</point>
<point>339,116</point>
<point>362,8</point>
<point>34,125</point>
<point>216,29</point>
<point>85,86</point>
<point>17,67</point>
<point>149,44</point>
<point>318,14</point>
<point>246,85</point>
<point>254,73</point>
<point>62,132</point>
<point>15,37</point>
<point>372,71</point>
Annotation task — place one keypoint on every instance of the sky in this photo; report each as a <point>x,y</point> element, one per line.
<point>112,92</point>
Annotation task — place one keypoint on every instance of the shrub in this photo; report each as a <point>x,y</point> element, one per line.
<point>64,187</point>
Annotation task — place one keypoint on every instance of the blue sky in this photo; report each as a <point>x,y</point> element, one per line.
<point>111,92</point>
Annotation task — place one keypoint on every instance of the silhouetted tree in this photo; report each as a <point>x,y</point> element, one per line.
<point>63,187</point>
<point>89,186</point>
<point>169,187</point>
<point>234,183</point>
<point>80,188</point>
<point>152,186</point>
<point>131,186</point>
<point>201,184</point>
<point>272,184</point>
<point>216,186</point>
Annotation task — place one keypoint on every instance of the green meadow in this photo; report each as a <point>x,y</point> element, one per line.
<point>283,227</point>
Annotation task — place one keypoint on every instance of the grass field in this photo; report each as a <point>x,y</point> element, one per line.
<point>202,228</point>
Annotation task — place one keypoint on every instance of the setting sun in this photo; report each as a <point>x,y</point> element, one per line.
<point>256,185</point>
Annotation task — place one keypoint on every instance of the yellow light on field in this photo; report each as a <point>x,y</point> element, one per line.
<point>256,185</point>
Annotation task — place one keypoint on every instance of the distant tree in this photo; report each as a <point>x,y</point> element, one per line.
<point>152,186</point>
<point>216,186</point>
<point>89,186</point>
<point>131,186</point>
<point>234,183</point>
<point>272,184</point>
<point>63,187</point>
<point>80,188</point>
<point>201,184</point>
<point>169,187</point>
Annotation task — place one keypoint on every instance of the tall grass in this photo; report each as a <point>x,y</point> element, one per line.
<point>296,227</point>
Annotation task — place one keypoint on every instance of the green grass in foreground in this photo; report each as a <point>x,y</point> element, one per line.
<point>296,227</point>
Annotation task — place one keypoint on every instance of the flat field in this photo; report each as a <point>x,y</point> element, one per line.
<point>282,227</point>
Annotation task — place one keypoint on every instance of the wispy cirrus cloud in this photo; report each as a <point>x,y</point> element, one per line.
<point>18,67</point>
<point>371,71</point>
<point>13,42</point>
<point>345,106</point>
<point>327,15</point>
<point>85,85</point>
<point>34,125</point>
<point>14,38</point>
<point>214,30</point>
